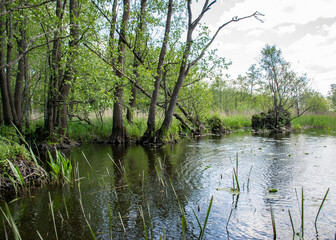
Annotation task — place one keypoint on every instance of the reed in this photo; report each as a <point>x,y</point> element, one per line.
<point>184,224</point>
<point>302,213</point>
<point>273,223</point>
<point>86,220</point>
<point>321,205</point>
<point>61,168</point>
<point>236,121</point>
<point>10,220</point>
<point>235,181</point>
<point>143,221</point>
<point>110,220</point>
<point>292,223</point>
<point>51,204</point>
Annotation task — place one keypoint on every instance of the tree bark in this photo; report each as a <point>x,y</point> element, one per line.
<point>64,91</point>
<point>119,134</point>
<point>55,75</point>
<point>9,67</point>
<point>150,132</point>
<point>21,73</point>
<point>7,116</point>
<point>184,70</point>
<point>136,62</point>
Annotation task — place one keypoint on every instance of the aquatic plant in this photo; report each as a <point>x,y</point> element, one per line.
<point>235,181</point>
<point>318,212</point>
<point>202,229</point>
<point>61,168</point>
<point>273,223</point>
<point>10,220</point>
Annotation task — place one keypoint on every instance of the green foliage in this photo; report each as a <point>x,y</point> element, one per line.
<point>10,150</point>
<point>315,121</point>
<point>61,168</point>
<point>268,120</point>
<point>216,126</point>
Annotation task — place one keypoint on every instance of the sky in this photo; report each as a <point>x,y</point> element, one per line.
<point>304,30</point>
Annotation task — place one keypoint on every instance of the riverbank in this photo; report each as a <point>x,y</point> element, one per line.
<point>20,171</point>
<point>99,130</point>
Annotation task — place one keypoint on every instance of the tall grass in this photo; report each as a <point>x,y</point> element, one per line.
<point>101,131</point>
<point>237,121</point>
<point>315,121</point>
<point>10,220</point>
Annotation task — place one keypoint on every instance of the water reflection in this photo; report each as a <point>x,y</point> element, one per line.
<point>129,189</point>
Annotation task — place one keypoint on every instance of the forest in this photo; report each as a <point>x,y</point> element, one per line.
<point>124,65</point>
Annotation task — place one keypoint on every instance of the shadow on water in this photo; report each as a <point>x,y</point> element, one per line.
<point>127,194</point>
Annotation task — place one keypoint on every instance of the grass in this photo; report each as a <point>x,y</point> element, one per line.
<point>237,121</point>
<point>327,122</point>
<point>10,150</point>
<point>98,131</point>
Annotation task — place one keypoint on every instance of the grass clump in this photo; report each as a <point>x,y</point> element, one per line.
<point>19,169</point>
<point>11,150</point>
<point>237,121</point>
<point>315,121</point>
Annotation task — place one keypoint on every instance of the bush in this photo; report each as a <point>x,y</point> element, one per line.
<point>267,120</point>
<point>216,125</point>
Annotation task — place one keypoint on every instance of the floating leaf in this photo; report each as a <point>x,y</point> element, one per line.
<point>272,190</point>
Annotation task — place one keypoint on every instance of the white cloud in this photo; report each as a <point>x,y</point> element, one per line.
<point>286,11</point>
<point>314,55</point>
<point>255,32</point>
<point>310,47</point>
<point>286,29</point>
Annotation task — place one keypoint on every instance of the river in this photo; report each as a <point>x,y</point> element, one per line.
<point>123,191</point>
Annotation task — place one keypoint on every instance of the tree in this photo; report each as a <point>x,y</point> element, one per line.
<point>284,85</point>
<point>136,63</point>
<point>69,73</point>
<point>149,134</point>
<point>332,94</point>
<point>186,63</point>
<point>253,76</point>
<point>119,134</point>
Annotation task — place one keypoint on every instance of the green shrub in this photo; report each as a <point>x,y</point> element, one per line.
<point>10,150</point>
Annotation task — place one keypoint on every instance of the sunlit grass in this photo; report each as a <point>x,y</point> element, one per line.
<point>237,121</point>
<point>327,122</point>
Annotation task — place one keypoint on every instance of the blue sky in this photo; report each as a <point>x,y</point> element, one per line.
<point>305,31</point>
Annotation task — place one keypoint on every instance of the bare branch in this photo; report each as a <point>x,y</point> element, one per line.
<point>256,15</point>
<point>206,7</point>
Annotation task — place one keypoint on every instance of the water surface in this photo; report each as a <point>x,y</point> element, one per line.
<point>126,189</point>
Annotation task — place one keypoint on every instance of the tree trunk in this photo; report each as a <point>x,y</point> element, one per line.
<point>64,91</point>
<point>150,132</point>
<point>119,134</point>
<point>184,70</point>
<point>51,113</point>
<point>9,68</point>
<point>136,62</point>
<point>7,115</point>
<point>21,73</point>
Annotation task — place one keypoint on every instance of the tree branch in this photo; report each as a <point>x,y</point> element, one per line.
<point>24,7</point>
<point>31,41</point>
<point>256,15</point>
<point>120,35</point>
